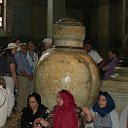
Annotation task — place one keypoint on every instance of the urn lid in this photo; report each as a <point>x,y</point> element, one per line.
<point>69,21</point>
<point>68,32</point>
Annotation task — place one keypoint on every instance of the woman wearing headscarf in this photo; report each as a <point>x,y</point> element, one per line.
<point>103,113</point>
<point>33,110</point>
<point>64,115</point>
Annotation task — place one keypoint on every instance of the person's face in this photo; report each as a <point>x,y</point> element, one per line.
<point>18,42</point>
<point>47,45</point>
<point>33,103</point>
<point>110,55</point>
<point>31,47</point>
<point>102,102</point>
<point>24,49</point>
<point>59,100</point>
<point>14,50</point>
<point>88,47</point>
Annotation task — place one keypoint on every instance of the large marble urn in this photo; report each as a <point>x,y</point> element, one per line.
<point>67,66</point>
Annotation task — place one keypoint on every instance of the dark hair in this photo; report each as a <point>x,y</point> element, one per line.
<point>104,94</point>
<point>31,42</point>
<point>114,51</point>
<point>15,39</point>
<point>6,52</point>
<point>37,97</point>
<point>88,42</point>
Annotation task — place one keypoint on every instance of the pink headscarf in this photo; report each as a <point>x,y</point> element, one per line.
<point>65,116</point>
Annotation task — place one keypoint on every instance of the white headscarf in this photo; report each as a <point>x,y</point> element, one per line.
<point>47,40</point>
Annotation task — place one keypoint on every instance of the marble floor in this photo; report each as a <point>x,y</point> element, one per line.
<point>13,121</point>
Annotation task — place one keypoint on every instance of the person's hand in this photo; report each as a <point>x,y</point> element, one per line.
<point>89,117</point>
<point>41,122</point>
<point>36,126</point>
<point>37,120</point>
<point>86,110</point>
<point>30,78</point>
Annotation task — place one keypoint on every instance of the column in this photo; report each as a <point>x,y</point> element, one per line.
<point>125,26</point>
<point>49,18</point>
<point>55,11</point>
<point>103,23</point>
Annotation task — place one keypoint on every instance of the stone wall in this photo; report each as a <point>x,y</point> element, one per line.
<point>25,19</point>
<point>102,18</point>
<point>107,25</point>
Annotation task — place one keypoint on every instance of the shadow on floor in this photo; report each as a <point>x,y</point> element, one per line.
<point>13,121</point>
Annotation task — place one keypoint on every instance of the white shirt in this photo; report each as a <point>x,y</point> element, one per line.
<point>18,48</point>
<point>124,118</point>
<point>3,105</point>
<point>96,57</point>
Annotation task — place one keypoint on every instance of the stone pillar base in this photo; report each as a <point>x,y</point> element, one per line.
<point>119,91</point>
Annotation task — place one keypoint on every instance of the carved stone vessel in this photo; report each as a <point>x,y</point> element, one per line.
<point>67,66</point>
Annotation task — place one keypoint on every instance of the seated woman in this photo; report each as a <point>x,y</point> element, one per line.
<point>64,115</point>
<point>113,61</point>
<point>33,110</point>
<point>124,118</point>
<point>3,102</point>
<point>103,113</point>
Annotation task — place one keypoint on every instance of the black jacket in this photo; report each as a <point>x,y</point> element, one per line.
<point>27,118</point>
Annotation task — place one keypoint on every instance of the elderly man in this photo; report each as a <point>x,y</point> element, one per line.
<point>47,43</point>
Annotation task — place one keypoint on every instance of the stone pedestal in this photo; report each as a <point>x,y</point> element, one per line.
<point>125,28</point>
<point>118,85</point>
<point>119,91</point>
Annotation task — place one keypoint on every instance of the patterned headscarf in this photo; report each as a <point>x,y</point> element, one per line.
<point>65,116</point>
<point>109,107</point>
